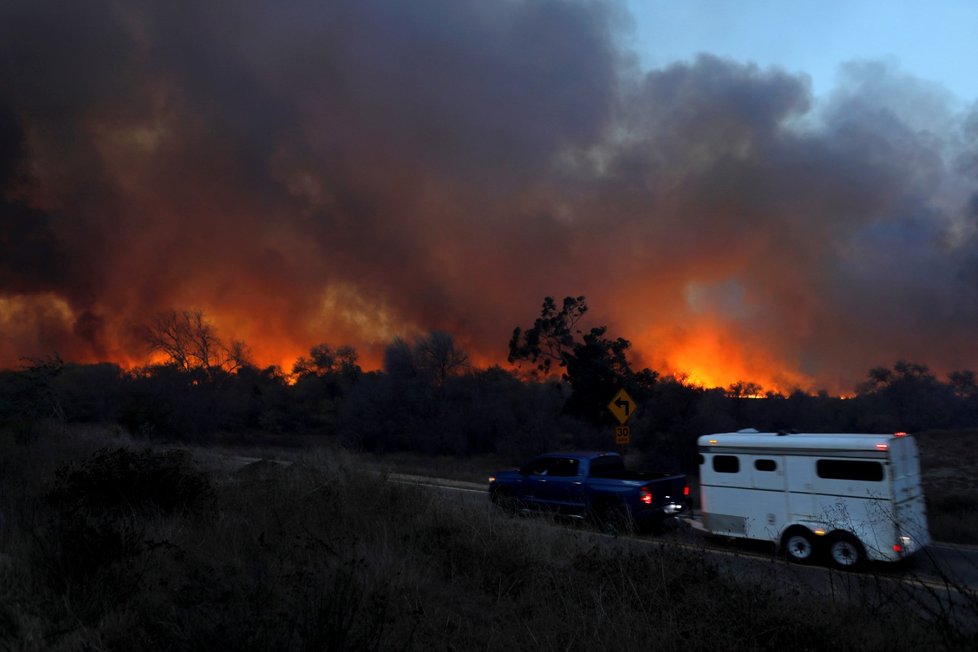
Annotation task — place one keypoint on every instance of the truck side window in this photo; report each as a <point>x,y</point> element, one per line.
<point>539,467</point>
<point>765,465</point>
<point>564,467</point>
<point>603,467</point>
<point>849,470</point>
<point>726,464</point>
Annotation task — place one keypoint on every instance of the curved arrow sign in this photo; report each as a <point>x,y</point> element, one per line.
<point>622,406</point>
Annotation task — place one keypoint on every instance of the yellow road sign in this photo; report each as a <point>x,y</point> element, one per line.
<point>622,406</point>
<point>623,435</point>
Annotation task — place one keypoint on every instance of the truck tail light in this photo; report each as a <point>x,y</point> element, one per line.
<point>645,495</point>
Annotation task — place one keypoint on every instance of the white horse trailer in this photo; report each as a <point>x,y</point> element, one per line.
<point>852,496</point>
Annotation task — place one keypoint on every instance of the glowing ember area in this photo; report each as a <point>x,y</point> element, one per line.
<point>350,173</point>
<point>707,360</point>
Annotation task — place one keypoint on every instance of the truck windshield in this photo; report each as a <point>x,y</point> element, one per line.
<point>606,465</point>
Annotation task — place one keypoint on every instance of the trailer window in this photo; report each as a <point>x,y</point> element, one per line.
<point>849,470</point>
<point>765,465</point>
<point>726,464</point>
<point>702,460</point>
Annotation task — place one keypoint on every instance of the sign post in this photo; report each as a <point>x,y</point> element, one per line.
<point>622,406</point>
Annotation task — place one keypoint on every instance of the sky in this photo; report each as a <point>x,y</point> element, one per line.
<point>935,41</point>
<point>781,193</point>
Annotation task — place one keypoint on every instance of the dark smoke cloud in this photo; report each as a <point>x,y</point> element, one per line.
<point>351,171</point>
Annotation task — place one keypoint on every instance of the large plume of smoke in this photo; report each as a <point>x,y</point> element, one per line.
<point>350,171</point>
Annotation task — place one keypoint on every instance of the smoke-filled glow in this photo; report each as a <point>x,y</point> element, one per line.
<point>336,172</point>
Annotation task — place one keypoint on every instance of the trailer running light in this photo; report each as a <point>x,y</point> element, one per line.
<point>713,441</point>
<point>645,495</point>
<point>820,532</point>
<point>882,447</point>
<point>897,548</point>
<point>686,491</point>
<point>899,434</point>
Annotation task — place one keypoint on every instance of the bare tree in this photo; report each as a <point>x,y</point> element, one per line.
<point>190,342</point>
<point>439,357</point>
<point>434,358</point>
<point>236,355</point>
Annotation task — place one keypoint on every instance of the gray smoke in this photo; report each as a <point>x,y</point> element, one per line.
<point>350,171</point>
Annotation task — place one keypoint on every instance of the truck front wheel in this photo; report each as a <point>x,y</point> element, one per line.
<point>505,500</point>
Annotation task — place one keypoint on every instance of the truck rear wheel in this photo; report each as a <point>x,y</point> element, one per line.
<point>613,518</point>
<point>845,552</point>
<point>798,546</point>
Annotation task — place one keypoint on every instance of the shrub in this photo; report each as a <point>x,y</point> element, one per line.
<point>90,544</point>
<point>127,480</point>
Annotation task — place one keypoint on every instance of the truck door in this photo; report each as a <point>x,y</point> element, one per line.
<point>564,488</point>
<point>537,474</point>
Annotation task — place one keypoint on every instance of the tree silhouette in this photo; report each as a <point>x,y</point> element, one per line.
<point>324,360</point>
<point>964,384</point>
<point>594,365</point>
<point>190,342</point>
<point>906,397</point>
<point>432,359</point>
<point>744,389</point>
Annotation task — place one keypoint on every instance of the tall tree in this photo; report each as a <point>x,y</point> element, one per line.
<point>189,341</point>
<point>433,358</point>
<point>440,358</point>
<point>594,365</point>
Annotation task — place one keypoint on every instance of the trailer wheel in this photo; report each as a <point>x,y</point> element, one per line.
<point>845,552</point>
<point>799,546</point>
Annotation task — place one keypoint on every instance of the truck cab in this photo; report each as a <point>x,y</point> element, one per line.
<point>591,484</point>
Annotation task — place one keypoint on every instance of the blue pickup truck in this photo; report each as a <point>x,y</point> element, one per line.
<point>593,485</point>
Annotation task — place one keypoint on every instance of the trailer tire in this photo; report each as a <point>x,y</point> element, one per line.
<point>798,545</point>
<point>845,552</point>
